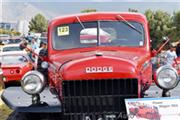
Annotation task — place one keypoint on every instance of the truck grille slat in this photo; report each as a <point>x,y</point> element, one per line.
<point>89,97</point>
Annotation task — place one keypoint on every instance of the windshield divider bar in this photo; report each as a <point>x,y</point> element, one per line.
<point>98,33</point>
<point>80,22</point>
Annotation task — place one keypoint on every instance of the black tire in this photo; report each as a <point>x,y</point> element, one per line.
<point>34,116</point>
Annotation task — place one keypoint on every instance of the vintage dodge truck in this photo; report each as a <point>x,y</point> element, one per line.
<point>94,62</point>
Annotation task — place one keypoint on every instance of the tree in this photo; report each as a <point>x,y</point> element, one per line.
<point>160,24</point>
<point>88,10</point>
<point>176,23</point>
<point>38,24</point>
<point>11,32</point>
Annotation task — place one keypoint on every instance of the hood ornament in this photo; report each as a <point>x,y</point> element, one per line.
<point>99,53</point>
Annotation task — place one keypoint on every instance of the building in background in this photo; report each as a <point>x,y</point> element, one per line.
<point>8,25</point>
<point>22,27</point>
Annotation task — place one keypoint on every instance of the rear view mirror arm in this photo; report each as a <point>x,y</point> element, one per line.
<point>162,46</point>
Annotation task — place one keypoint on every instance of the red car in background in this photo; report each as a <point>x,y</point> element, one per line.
<point>15,65</point>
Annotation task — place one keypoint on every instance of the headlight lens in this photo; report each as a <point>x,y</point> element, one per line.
<point>33,82</point>
<point>167,77</point>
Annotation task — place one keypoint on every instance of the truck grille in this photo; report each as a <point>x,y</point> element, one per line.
<point>97,97</point>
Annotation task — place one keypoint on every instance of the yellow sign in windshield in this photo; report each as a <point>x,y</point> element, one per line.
<point>62,31</point>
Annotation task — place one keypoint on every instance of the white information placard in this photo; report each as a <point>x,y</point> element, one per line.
<point>166,108</point>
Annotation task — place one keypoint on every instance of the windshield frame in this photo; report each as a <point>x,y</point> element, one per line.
<point>98,36</point>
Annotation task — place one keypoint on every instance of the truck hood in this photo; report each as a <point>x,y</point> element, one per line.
<point>99,64</point>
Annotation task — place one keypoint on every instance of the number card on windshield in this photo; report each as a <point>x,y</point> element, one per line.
<point>63,31</point>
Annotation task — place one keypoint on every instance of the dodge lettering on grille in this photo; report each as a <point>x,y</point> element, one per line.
<point>99,69</point>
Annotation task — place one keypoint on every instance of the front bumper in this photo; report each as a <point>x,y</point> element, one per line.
<point>18,100</point>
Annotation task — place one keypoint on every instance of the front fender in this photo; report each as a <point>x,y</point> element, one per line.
<point>18,100</point>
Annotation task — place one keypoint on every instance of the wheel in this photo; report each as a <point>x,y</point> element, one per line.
<point>34,116</point>
<point>2,85</point>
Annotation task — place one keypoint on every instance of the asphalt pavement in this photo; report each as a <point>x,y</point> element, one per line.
<point>155,91</point>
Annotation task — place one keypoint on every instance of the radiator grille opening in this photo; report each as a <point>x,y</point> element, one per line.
<point>97,97</point>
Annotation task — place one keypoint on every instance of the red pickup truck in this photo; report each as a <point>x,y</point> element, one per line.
<point>84,76</point>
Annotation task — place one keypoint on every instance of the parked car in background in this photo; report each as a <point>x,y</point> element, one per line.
<point>5,41</point>
<point>4,38</point>
<point>15,65</point>
<point>10,48</point>
<point>14,40</point>
<point>11,40</point>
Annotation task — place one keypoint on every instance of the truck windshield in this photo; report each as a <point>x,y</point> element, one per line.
<point>101,33</point>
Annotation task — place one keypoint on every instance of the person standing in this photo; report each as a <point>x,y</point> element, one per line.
<point>34,44</point>
<point>37,51</point>
<point>43,54</point>
<point>33,48</point>
<point>171,56</point>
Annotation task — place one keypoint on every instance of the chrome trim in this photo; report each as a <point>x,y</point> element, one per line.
<point>38,74</point>
<point>171,68</point>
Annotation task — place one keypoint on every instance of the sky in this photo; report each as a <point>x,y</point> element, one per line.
<point>14,10</point>
<point>90,0</point>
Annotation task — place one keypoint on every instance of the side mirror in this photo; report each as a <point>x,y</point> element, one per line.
<point>165,38</point>
<point>165,42</point>
<point>153,53</point>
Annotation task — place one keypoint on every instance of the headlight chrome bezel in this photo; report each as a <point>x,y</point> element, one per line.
<point>41,81</point>
<point>162,68</point>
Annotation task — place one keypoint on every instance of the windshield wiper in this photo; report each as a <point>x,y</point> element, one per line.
<point>128,23</point>
<point>80,22</point>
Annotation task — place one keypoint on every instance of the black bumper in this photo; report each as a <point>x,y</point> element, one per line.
<point>18,100</point>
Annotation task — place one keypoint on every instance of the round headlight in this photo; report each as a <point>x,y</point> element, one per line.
<point>167,77</point>
<point>33,82</point>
